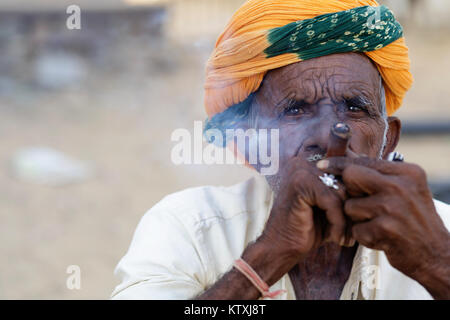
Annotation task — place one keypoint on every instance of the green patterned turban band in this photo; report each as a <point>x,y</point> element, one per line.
<point>360,29</point>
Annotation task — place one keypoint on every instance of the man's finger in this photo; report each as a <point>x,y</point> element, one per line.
<point>336,226</point>
<point>351,154</point>
<point>359,209</point>
<point>334,212</point>
<point>329,200</point>
<point>349,240</point>
<point>361,180</point>
<point>336,165</point>
<point>371,234</point>
<point>365,234</point>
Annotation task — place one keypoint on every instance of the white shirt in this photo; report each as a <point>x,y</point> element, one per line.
<point>190,239</point>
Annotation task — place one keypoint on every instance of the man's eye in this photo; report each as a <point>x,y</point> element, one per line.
<point>355,109</point>
<point>293,111</point>
<point>357,104</point>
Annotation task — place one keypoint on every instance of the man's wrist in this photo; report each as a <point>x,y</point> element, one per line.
<point>269,262</point>
<point>435,275</point>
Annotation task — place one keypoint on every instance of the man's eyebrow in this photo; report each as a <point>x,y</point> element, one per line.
<point>359,100</point>
<point>287,100</point>
<point>363,101</point>
<point>290,102</point>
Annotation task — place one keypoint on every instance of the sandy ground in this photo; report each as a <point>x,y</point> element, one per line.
<point>121,124</point>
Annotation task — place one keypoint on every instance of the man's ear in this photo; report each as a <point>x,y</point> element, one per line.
<point>393,135</point>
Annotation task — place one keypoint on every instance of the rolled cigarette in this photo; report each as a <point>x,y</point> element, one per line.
<point>337,147</point>
<point>339,138</point>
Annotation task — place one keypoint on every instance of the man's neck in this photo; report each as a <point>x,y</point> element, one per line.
<point>323,274</point>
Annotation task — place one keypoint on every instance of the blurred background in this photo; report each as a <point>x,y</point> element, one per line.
<point>86,118</point>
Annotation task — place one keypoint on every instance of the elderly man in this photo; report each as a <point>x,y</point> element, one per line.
<point>340,219</point>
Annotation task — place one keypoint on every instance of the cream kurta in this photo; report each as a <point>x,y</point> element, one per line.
<point>186,242</point>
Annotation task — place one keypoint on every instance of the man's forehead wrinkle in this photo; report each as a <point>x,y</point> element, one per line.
<point>336,77</point>
<point>311,91</point>
<point>361,89</point>
<point>328,75</point>
<point>357,88</point>
<point>346,62</point>
<point>274,98</point>
<point>314,72</point>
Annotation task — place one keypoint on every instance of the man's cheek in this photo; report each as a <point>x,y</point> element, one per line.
<point>289,146</point>
<point>366,140</point>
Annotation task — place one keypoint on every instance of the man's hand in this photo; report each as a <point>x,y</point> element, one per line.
<point>305,212</point>
<point>392,210</point>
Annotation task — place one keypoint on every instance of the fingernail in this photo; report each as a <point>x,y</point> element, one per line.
<point>352,242</point>
<point>323,164</point>
<point>342,242</point>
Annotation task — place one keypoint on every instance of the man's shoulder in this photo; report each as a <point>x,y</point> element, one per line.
<point>197,204</point>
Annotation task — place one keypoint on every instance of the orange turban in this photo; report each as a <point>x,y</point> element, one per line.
<point>268,34</point>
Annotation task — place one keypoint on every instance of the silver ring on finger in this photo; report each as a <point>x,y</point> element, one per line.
<point>329,180</point>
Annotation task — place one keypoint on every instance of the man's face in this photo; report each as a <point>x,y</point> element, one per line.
<point>303,100</point>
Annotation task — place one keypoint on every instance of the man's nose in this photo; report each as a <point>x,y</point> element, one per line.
<point>319,133</point>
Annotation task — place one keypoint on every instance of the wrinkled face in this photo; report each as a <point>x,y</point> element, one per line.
<point>303,100</point>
